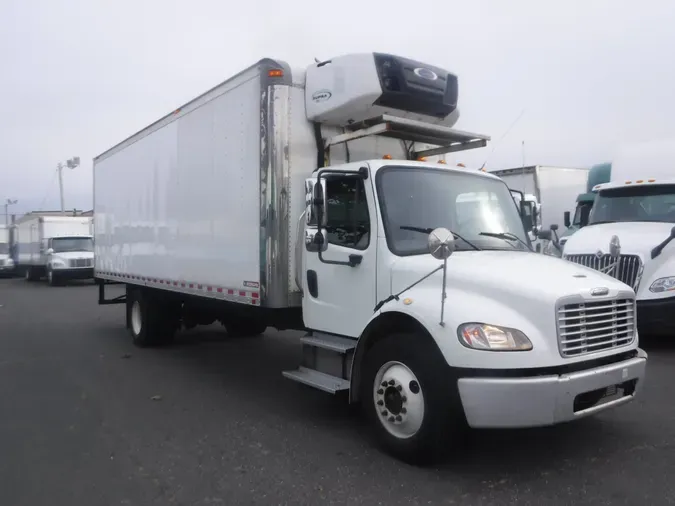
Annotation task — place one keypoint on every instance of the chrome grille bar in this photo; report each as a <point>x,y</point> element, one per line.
<point>588,327</point>
<point>626,269</point>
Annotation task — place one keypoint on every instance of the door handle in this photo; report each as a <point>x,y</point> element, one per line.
<point>355,259</point>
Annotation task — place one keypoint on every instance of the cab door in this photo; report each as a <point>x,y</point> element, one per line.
<point>339,279</point>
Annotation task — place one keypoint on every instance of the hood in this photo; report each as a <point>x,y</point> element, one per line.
<point>636,238</point>
<point>506,274</point>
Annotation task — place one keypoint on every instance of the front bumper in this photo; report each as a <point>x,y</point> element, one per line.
<point>6,269</point>
<point>76,273</point>
<point>656,316</point>
<point>549,400</point>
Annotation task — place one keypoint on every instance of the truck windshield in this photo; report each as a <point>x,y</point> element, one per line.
<point>635,203</point>
<point>4,248</point>
<point>66,244</point>
<point>582,213</point>
<point>468,204</point>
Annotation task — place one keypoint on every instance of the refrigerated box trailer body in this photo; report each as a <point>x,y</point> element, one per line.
<point>58,247</point>
<point>219,187</point>
<point>310,200</point>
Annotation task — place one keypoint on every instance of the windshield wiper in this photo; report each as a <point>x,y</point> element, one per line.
<point>429,230</point>
<point>601,222</point>
<point>507,236</point>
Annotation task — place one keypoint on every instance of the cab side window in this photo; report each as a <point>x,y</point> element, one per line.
<point>348,221</point>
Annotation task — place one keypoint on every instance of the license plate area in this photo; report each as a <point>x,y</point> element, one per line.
<point>604,395</point>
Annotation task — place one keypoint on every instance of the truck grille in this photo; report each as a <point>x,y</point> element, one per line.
<point>81,262</point>
<point>589,327</point>
<point>627,269</point>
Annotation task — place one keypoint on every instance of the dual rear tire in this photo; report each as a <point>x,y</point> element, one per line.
<point>151,320</point>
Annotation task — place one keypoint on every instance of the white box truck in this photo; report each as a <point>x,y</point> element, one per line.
<point>302,199</point>
<point>6,260</point>
<point>59,248</point>
<point>630,230</point>
<point>552,191</point>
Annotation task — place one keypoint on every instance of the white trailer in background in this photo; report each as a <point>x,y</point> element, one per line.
<point>59,248</point>
<point>549,190</point>
<point>312,199</point>
<point>6,261</point>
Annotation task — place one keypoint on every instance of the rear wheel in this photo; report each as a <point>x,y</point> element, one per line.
<point>410,399</point>
<point>28,274</point>
<point>150,320</point>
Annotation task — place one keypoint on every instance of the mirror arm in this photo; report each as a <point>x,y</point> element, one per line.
<point>397,295</point>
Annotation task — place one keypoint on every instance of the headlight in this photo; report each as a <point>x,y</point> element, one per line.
<point>481,336</point>
<point>58,263</point>
<point>663,285</point>
<point>9,262</point>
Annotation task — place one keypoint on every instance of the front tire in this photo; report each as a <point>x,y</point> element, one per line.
<point>410,399</point>
<point>52,279</point>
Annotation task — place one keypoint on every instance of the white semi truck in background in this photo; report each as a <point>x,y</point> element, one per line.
<point>549,192</point>
<point>59,248</point>
<point>630,230</point>
<point>313,199</point>
<point>6,261</point>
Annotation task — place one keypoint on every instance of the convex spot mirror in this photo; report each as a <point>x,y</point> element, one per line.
<point>441,243</point>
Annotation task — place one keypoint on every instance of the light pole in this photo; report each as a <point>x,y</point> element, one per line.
<point>71,164</point>
<point>8,202</point>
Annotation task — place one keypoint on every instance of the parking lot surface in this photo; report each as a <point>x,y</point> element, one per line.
<point>88,419</point>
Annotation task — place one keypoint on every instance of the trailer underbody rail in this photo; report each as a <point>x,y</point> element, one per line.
<point>102,301</point>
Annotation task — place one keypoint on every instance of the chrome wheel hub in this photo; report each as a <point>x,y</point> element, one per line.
<point>399,400</point>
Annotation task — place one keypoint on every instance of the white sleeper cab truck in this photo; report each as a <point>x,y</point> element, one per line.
<point>59,248</point>
<point>6,261</point>
<point>630,230</point>
<point>315,200</point>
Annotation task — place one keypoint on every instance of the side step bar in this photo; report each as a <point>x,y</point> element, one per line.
<point>326,362</point>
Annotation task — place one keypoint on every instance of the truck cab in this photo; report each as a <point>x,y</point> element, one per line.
<point>6,260</point>
<point>421,276</point>
<point>630,229</point>
<point>597,174</point>
<point>69,257</point>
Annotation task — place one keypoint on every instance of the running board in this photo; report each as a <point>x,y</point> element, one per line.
<point>318,380</point>
<point>326,362</point>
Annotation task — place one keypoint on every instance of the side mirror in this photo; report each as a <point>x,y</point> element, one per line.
<point>554,227</point>
<point>546,235</point>
<point>319,204</point>
<point>526,218</point>
<point>50,251</point>
<point>566,219</point>
<point>441,243</point>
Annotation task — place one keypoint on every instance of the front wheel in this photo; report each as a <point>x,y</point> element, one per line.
<point>52,280</point>
<point>410,400</point>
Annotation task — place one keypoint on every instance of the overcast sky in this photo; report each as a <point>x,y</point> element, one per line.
<point>78,76</point>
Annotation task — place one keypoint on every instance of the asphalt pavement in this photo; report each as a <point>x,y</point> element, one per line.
<point>88,419</point>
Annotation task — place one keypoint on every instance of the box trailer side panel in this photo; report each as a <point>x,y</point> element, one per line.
<point>524,181</point>
<point>65,226</point>
<point>179,205</point>
<point>558,190</point>
<point>28,241</point>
